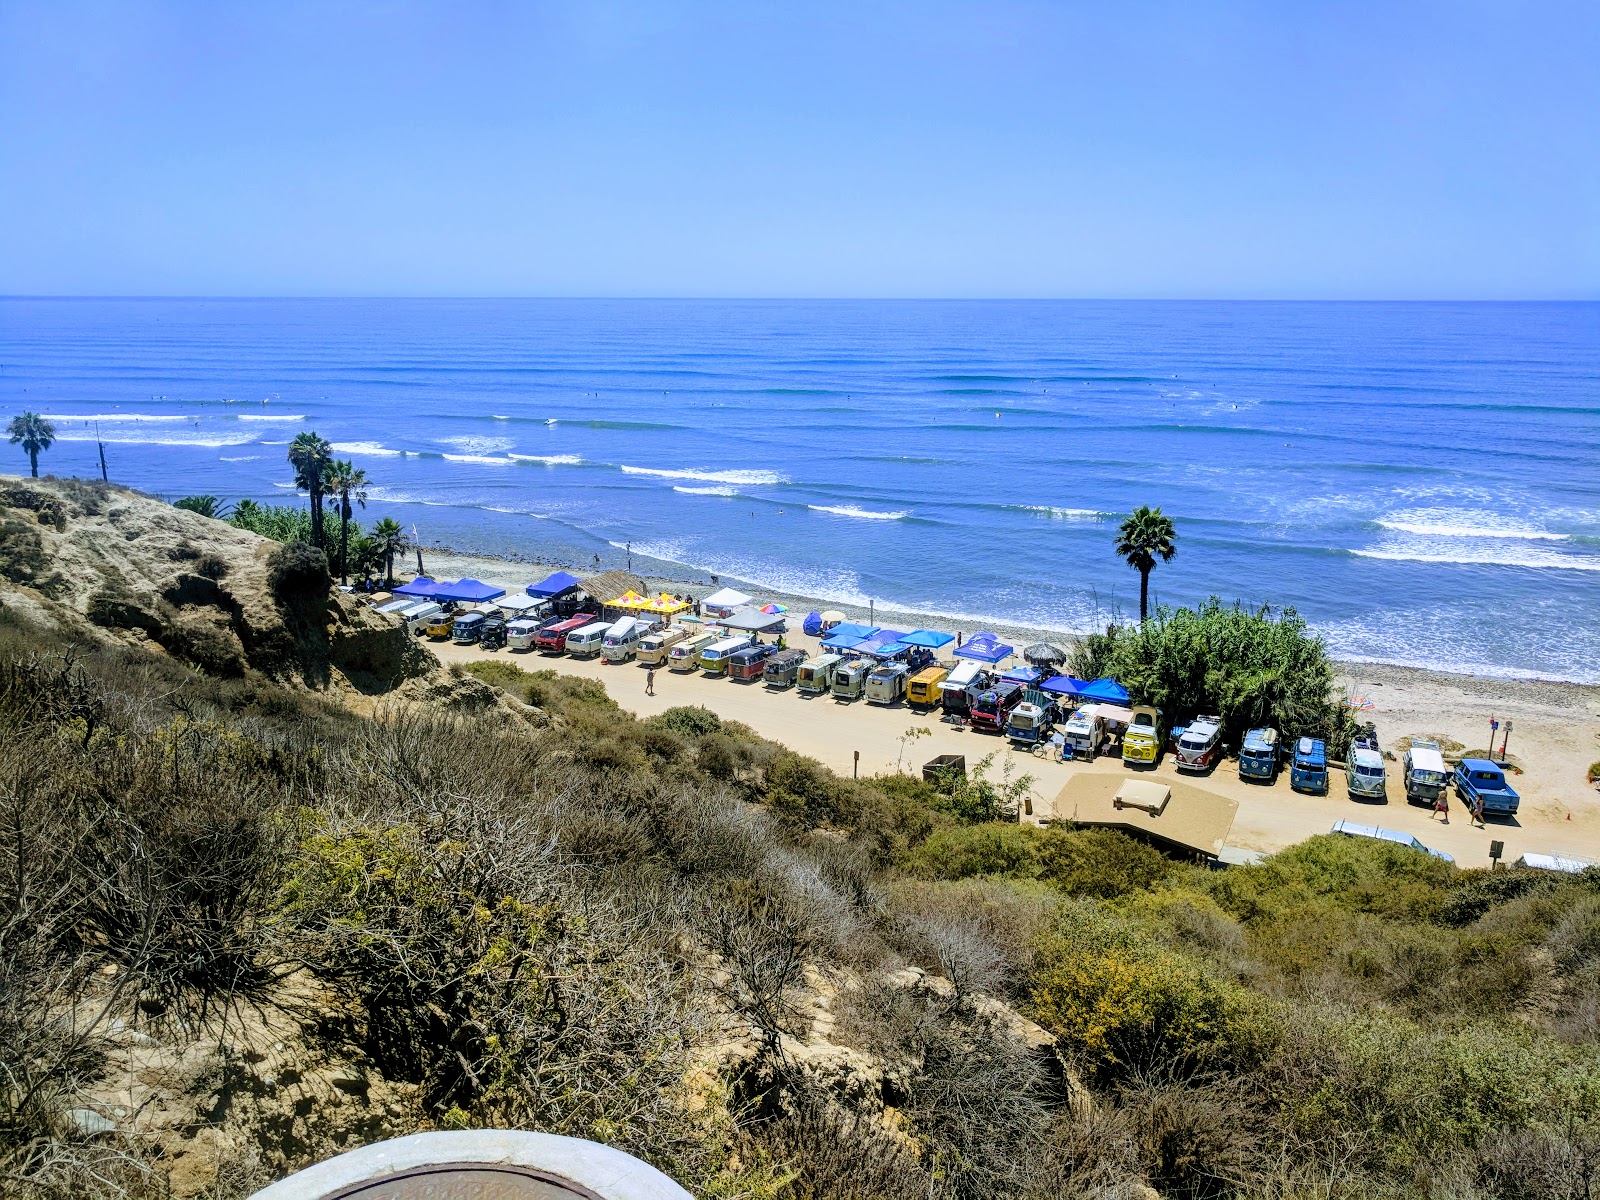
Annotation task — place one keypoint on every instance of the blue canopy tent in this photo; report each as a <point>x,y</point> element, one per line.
<point>930,638</point>
<point>984,647</point>
<point>850,629</point>
<point>844,641</point>
<point>421,587</point>
<point>1026,676</point>
<point>883,644</point>
<point>1103,691</point>
<point>469,591</point>
<point>554,585</point>
<point>812,624</point>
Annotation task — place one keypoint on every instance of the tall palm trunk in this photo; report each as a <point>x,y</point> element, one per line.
<point>344,538</point>
<point>33,461</point>
<point>1144,595</point>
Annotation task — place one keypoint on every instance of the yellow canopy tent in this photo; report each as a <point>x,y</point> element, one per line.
<point>665,605</point>
<point>629,599</point>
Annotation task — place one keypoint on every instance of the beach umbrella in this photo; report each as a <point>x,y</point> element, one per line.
<point>1044,654</point>
<point>832,617</point>
<point>771,609</point>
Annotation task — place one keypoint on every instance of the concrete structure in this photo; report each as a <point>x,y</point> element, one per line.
<point>1174,815</point>
<point>485,1164</point>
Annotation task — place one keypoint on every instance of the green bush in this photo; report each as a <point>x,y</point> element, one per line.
<point>1098,862</point>
<point>1251,665</point>
<point>964,851</point>
<point>689,720</point>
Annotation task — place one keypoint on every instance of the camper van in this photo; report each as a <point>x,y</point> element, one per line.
<point>714,658</point>
<point>922,689</point>
<point>439,626</point>
<point>685,655</point>
<point>1142,743</point>
<point>816,675</point>
<point>468,628</point>
<point>1033,720</point>
<point>417,617</point>
<point>653,648</point>
<point>850,679</point>
<point>1083,733</point>
<point>521,632</point>
<point>1258,755</point>
<point>622,639</point>
<point>1426,775</point>
<point>957,689</point>
<point>1308,770</point>
<point>1200,745</point>
<point>1365,775</point>
<point>552,639</point>
<point>748,662</point>
<point>781,670</point>
<point>886,683</point>
<point>991,708</point>
<point>588,641</point>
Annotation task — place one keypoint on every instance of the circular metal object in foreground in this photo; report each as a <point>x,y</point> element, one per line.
<point>489,1164</point>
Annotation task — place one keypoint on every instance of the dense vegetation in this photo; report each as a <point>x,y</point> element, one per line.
<point>513,920</point>
<point>1253,666</point>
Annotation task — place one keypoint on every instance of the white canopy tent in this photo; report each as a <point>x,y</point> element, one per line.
<point>726,598</point>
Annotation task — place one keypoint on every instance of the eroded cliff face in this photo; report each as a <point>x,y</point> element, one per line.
<point>102,564</point>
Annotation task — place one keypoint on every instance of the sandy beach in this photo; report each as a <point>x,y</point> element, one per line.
<point>1556,734</point>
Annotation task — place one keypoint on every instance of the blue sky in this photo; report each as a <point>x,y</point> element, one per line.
<point>1107,149</point>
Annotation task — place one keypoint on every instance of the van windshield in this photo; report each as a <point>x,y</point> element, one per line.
<point>1369,772</point>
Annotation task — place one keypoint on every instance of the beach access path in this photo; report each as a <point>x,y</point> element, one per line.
<point>1559,813</point>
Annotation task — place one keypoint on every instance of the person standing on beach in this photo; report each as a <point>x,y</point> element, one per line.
<point>1441,806</point>
<point>650,682</point>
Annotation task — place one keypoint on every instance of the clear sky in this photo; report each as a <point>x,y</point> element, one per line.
<point>1281,148</point>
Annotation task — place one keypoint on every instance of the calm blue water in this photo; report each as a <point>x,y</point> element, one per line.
<point>1420,480</point>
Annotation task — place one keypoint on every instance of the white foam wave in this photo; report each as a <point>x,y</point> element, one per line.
<point>476,444</point>
<point>1062,514</point>
<point>119,417</point>
<point>272,417</point>
<point>1459,524</point>
<point>207,441</point>
<point>488,460</point>
<point>751,478</point>
<point>550,460</point>
<point>375,448</point>
<point>1531,559</point>
<point>241,458</point>
<point>716,490</point>
<point>850,510</point>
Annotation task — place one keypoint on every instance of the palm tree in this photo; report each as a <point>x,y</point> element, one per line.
<point>206,506</point>
<point>1143,537</point>
<point>390,541</point>
<point>348,483</point>
<point>35,434</point>
<point>311,458</point>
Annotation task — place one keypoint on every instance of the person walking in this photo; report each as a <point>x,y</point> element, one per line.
<point>1477,812</point>
<point>650,682</point>
<point>1441,806</point>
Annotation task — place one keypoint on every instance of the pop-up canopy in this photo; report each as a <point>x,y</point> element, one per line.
<point>930,638</point>
<point>421,587</point>
<point>852,629</point>
<point>726,598</point>
<point>468,591</point>
<point>515,603</point>
<point>1106,691</point>
<point>885,643</point>
<point>629,599</point>
<point>554,585</point>
<point>984,647</point>
<point>664,605</point>
<point>841,641</point>
<point>752,620</point>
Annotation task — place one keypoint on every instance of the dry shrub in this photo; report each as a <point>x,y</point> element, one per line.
<point>835,1154</point>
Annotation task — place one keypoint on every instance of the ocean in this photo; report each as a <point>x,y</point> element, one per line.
<point>1421,481</point>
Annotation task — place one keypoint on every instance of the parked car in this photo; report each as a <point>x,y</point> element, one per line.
<point>493,635</point>
<point>992,706</point>
<point>419,616</point>
<point>960,688</point>
<point>685,656</point>
<point>922,689</point>
<point>1142,743</point>
<point>1365,775</point>
<point>1083,733</point>
<point>749,662</point>
<point>587,642</point>
<point>552,638</point>
<point>1309,770</point>
<point>1199,745</point>
<point>653,648</point>
<point>850,678</point>
<point>782,669</point>
<point>1353,829</point>
<point>714,658</point>
<point>468,628</point>
<point>440,625</point>
<point>622,639</point>
<point>1478,780</point>
<point>886,683</point>
<point>1258,756</point>
<point>521,633</point>
<point>816,674</point>
<point>1426,776</point>
<point>1033,720</point>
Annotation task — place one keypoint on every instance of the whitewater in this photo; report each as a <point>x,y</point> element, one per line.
<point>1418,480</point>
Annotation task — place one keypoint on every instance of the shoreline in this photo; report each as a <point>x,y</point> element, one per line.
<point>1356,674</point>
